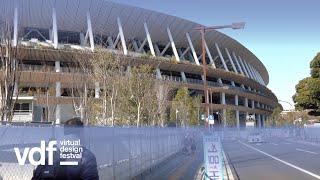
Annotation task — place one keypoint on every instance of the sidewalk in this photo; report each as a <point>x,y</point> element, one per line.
<point>227,172</point>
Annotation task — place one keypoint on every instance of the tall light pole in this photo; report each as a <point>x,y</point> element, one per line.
<point>203,30</point>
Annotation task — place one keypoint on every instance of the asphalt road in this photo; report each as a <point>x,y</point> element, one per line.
<point>179,167</point>
<point>276,159</point>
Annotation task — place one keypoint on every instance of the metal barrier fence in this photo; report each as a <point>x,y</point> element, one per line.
<point>309,134</point>
<point>121,153</point>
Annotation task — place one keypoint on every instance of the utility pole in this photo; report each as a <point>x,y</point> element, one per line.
<point>203,29</point>
<point>204,67</point>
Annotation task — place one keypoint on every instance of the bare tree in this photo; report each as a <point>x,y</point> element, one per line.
<point>82,77</point>
<point>103,68</point>
<point>140,85</point>
<point>162,91</point>
<point>10,74</point>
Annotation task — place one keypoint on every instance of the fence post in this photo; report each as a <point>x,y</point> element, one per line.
<point>113,158</point>
<point>129,154</point>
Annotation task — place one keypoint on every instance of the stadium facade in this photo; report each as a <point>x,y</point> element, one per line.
<point>236,78</point>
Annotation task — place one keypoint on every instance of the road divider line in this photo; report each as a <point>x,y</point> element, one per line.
<point>282,161</point>
<point>302,150</point>
<point>274,144</point>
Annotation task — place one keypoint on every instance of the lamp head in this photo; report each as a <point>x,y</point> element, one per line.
<point>238,25</point>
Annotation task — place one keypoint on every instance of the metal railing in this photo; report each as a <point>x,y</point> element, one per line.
<point>121,153</point>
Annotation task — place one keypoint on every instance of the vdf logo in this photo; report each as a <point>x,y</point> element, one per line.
<point>29,152</point>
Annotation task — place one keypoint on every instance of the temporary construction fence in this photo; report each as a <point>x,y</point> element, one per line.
<point>121,153</point>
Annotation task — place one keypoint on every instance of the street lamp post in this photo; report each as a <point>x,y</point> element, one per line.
<point>203,29</point>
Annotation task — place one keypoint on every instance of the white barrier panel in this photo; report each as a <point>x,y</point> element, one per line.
<point>213,159</point>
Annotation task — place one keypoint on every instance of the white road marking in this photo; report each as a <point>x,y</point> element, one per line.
<point>302,150</point>
<point>305,142</point>
<point>287,143</point>
<point>258,144</point>
<point>282,161</point>
<point>274,144</point>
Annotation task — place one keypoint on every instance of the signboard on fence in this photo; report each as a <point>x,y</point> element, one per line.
<point>211,119</point>
<point>213,157</point>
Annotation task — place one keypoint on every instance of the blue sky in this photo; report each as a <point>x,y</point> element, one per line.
<point>283,34</point>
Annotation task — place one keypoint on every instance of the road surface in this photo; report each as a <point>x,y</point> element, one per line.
<point>179,167</point>
<point>276,159</point>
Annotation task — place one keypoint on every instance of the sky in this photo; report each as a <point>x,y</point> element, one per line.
<point>283,34</point>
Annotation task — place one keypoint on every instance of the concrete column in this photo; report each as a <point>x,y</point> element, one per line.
<point>54,28</point>
<point>259,120</point>
<point>57,66</point>
<point>58,92</point>
<point>224,111</point>
<point>238,119</point>
<point>58,114</point>
<point>58,89</point>
<point>223,98</point>
<point>123,40</point>
<point>236,102</point>
<point>194,54</point>
<point>149,40</point>
<point>15,27</point>
<point>252,103</point>
<point>158,73</point>
<point>174,49</point>
<point>246,102</point>
<point>96,90</point>
<point>183,76</point>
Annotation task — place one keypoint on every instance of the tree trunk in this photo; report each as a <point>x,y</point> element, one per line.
<point>112,111</point>
<point>138,118</point>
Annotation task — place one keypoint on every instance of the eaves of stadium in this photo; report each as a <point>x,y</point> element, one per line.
<point>237,79</point>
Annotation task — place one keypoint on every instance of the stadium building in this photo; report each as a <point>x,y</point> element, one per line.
<point>49,34</point>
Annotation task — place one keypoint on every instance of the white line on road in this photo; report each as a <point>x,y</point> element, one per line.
<point>274,144</point>
<point>282,161</point>
<point>306,151</point>
<point>287,143</point>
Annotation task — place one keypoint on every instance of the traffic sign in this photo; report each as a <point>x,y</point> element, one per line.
<point>211,119</point>
<point>213,157</point>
